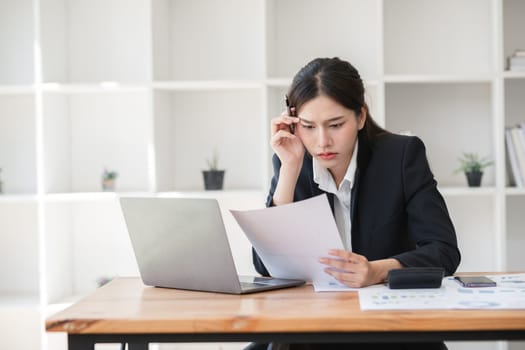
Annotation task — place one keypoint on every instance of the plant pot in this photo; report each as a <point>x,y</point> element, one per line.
<point>213,179</point>
<point>108,185</point>
<point>474,178</point>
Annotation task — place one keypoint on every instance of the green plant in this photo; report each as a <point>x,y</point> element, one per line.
<point>213,162</point>
<point>109,175</point>
<point>471,162</point>
<point>101,281</point>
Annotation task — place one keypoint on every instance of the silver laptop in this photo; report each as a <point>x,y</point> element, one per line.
<point>182,243</point>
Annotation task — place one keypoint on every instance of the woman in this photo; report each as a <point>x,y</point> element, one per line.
<point>385,201</point>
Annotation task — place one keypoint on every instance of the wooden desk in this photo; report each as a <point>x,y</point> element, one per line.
<point>127,311</point>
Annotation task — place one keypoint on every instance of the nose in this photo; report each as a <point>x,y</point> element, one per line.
<point>324,138</point>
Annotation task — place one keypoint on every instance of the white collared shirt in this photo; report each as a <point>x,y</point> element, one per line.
<point>342,195</point>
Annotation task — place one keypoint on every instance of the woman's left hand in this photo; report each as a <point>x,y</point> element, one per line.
<point>355,270</point>
<point>349,268</point>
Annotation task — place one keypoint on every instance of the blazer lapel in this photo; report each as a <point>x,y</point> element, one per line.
<point>331,201</point>
<point>316,191</point>
<point>314,187</point>
<point>363,158</point>
<point>354,194</point>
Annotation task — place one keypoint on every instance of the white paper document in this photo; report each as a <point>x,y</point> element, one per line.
<point>291,238</point>
<point>509,293</point>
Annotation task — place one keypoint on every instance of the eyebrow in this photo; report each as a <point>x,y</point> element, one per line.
<point>331,120</point>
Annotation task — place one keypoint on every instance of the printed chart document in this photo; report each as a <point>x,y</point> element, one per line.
<point>509,293</point>
<point>291,238</point>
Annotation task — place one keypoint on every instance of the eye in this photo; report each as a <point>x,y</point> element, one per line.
<point>308,127</point>
<point>336,126</point>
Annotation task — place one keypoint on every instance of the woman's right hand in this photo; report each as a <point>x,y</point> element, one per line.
<point>288,147</point>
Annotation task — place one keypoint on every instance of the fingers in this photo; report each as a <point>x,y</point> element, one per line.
<point>283,122</point>
<point>348,268</point>
<point>280,136</point>
<point>344,261</point>
<point>353,280</point>
<point>340,264</point>
<point>281,130</point>
<point>347,256</point>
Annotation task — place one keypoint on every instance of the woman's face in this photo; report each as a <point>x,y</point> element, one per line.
<point>328,131</point>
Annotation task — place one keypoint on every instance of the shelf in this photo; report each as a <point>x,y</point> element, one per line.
<point>286,82</point>
<point>16,42</point>
<point>18,144</point>
<point>276,104</point>
<point>513,191</point>
<point>21,319</point>
<point>293,25</point>
<point>278,82</point>
<point>16,89</point>
<point>514,102</point>
<point>513,29</point>
<point>210,85</point>
<point>233,36</point>
<point>467,191</point>
<point>514,75</point>
<point>98,88</point>
<point>230,122</point>
<point>424,37</point>
<point>18,198</point>
<point>438,78</point>
<point>474,221</point>
<point>84,42</point>
<point>92,237</point>
<point>214,194</point>
<point>86,133</point>
<point>274,107</point>
<point>19,248</point>
<point>441,112</point>
<point>19,301</point>
<point>515,238</point>
<point>114,196</point>
<point>81,197</point>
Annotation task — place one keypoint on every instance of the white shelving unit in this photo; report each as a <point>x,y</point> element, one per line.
<point>86,132</point>
<point>150,88</point>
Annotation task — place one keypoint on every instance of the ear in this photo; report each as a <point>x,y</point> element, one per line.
<point>362,117</point>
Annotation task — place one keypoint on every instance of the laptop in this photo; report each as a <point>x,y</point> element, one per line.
<point>182,243</point>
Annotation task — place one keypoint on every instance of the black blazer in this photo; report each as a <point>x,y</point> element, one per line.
<point>396,209</point>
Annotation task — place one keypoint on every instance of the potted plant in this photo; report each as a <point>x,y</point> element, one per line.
<point>103,280</point>
<point>213,177</point>
<point>472,165</point>
<point>108,180</point>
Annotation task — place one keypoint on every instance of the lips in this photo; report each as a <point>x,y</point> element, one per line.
<point>327,155</point>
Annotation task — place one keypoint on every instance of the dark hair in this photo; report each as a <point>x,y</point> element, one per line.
<point>338,80</point>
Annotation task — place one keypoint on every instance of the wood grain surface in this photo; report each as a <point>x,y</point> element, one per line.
<point>127,306</point>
